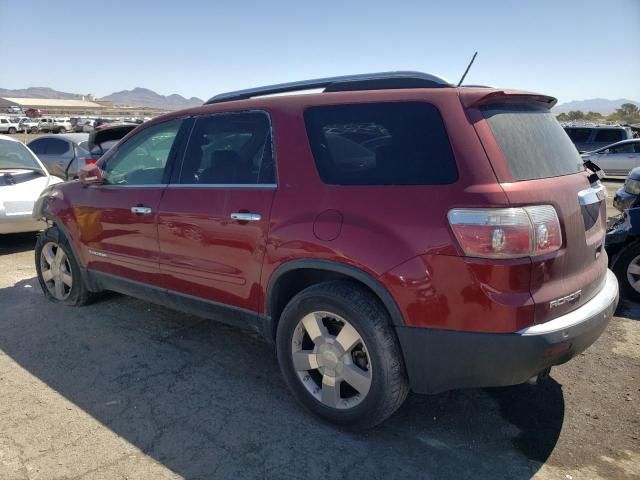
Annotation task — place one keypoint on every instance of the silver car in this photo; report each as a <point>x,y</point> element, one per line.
<point>618,158</point>
<point>63,154</point>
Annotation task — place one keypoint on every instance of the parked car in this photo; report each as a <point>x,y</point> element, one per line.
<point>617,159</point>
<point>14,109</point>
<point>30,125</point>
<point>22,179</point>
<point>392,232</point>
<point>57,125</point>
<point>33,113</point>
<point>9,125</point>
<point>587,138</point>
<point>62,155</point>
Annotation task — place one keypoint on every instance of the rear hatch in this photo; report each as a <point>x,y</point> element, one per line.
<point>537,164</point>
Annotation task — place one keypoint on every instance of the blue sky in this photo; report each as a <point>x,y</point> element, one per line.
<point>566,48</point>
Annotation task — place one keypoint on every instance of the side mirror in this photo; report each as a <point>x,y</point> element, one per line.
<point>91,174</point>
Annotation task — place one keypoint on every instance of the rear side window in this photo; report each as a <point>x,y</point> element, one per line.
<point>40,146</point>
<point>610,135</point>
<point>532,141</point>
<point>58,147</point>
<point>380,144</point>
<point>229,149</point>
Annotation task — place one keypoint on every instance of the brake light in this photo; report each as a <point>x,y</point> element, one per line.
<point>90,161</point>
<point>506,232</point>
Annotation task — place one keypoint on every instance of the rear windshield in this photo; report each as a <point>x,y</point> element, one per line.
<point>532,141</point>
<point>380,144</point>
<point>578,134</point>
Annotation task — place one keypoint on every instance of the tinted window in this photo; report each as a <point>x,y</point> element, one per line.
<point>578,134</point>
<point>58,147</point>
<point>143,158</point>
<point>380,144</point>
<point>229,149</point>
<point>40,146</point>
<point>532,141</point>
<point>610,135</point>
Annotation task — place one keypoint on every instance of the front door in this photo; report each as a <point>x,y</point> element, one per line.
<point>117,220</point>
<point>214,217</point>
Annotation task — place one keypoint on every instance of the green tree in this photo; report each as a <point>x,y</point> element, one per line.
<point>575,115</point>
<point>593,116</point>
<point>563,117</point>
<point>628,112</point>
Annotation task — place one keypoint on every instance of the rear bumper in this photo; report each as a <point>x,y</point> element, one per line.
<point>439,360</point>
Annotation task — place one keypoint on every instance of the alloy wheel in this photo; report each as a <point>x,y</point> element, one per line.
<point>331,360</point>
<point>56,272</point>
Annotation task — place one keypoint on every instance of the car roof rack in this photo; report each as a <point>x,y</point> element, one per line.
<point>345,83</point>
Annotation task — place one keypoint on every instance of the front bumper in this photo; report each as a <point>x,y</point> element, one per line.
<point>19,223</point>
<point>440,360</point>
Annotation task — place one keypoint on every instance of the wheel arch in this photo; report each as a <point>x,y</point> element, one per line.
<point>295,275</point>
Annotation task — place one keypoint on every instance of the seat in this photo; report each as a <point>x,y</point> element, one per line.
<point>226,167</point>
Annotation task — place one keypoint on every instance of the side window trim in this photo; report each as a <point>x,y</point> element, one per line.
<point>177,172</point>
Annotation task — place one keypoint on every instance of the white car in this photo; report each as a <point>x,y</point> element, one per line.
<point>8,125</point>
<point>618,158</point>
<point>22,179</point>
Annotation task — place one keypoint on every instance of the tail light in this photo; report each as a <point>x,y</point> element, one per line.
<point>90,161</point>
<point>506,232</point>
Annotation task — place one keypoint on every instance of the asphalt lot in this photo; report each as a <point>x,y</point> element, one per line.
<point>126,389</point>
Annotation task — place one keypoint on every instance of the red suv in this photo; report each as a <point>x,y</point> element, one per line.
<point>393,232</point>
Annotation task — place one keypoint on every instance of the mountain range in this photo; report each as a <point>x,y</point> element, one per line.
<point>138,97</point>
<point>143,97</point>
<point>600,105</point>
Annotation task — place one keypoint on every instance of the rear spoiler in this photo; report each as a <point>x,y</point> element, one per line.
<point>474,97</point>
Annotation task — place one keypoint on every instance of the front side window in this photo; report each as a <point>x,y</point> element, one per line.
<point>229,149</point>
<point>626,148</point>
<point>58,147</point>
<point>380,144</point>
<point>143,158</point>
<point>40,146</point>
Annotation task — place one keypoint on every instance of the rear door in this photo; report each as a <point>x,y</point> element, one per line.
<point>117,220</point>
<point>537,164</point>
<point>213,220</point>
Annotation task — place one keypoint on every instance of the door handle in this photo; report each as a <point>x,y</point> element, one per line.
<point>140,210</point>
<point>246,217</point>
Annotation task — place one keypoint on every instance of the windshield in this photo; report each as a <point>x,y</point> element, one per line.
<point>532,141</point>
<point>15,156</point>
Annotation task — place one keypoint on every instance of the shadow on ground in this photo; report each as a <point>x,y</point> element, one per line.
<point>207,401</point>
<point>17,242</point>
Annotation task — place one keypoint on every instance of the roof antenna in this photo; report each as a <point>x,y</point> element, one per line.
<point>467,70</point>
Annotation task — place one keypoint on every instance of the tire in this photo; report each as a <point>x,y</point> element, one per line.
<point>629,258</point>
<point>61,130</point>
<point>47,248</point>
<point>374,360</point>
<point>12,130</point>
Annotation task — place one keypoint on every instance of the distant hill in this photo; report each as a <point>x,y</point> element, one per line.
<point>143,97</point>
<point>138,97</point>
<point>37,92</point>
<point>600,105</point>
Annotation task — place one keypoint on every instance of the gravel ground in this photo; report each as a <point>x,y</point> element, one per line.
<point>126,389</point>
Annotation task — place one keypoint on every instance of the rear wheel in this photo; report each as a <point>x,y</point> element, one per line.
<point>339,354</point>
<point>627,269</point>
<point>62,130</point>
<point>58,270</point>
<point>12,130</point>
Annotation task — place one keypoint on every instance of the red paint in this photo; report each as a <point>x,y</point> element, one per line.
<point>399,235</point>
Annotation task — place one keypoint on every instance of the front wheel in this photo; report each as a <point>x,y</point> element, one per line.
<point>12,130</point>
<point>58,270</point>
<point>339,354</point>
